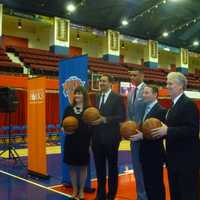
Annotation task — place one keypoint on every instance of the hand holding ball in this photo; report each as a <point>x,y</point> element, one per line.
<point>128,129</point>
<point>148,125</point>
<point>70,124</point>
<point>90,115</point>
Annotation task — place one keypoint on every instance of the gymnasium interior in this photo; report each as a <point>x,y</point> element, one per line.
<point>159,36</point>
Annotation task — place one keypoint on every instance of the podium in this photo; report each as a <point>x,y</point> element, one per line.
<point>37,158</point>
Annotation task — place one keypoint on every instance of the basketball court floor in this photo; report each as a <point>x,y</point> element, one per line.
<point>15,184</point>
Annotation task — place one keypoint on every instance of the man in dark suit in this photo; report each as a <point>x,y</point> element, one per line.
<point>152,153</point>
<point>182,141</point>
<point>106,138</point>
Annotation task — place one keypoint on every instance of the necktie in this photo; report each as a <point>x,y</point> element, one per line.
<point>148,108</point>
<point>134,96</point>
<point>102,101</point>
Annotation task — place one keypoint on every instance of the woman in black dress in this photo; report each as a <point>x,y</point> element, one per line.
<point>76,146</point>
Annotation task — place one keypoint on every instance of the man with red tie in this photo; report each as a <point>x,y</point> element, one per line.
<point>181,131</point>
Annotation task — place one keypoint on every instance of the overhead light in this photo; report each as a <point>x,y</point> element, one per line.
<point>196,43</point>
<point>164,1</point>
<point>167,49</point>
<point>19,24</point>
<point>94,32</point>
<point>124,22</point>
<point>165,34</point>
<point>135,41</point>
<point>78,36</point>
<point>122,46</point>
<point>71,7</point>
<point>194,20</point>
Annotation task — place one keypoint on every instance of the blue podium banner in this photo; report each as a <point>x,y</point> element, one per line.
<point>72,73</point>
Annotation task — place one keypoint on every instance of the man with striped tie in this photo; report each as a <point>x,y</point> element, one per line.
<point>136,107</point>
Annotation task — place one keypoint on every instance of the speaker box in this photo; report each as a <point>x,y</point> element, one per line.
<point>8,100</point>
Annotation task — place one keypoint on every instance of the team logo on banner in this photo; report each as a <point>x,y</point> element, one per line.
<point>70,85</point>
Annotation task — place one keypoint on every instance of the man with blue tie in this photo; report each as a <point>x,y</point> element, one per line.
<point>136,108</point>
<point>152,153</point>
<point>182,140</point>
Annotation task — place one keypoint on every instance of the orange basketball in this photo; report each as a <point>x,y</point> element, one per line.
<point>91,114</point>
<point>127,129</point>
<point>70,124</point>
<point>150,124</point>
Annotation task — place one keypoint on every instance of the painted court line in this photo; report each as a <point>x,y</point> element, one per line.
<point>33,183</point>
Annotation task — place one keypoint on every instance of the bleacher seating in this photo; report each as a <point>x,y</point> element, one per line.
<point>6,65</point>
<point>39,61</point>
<point>18,134</point>
<point>105,67</point>
<point>153,76</point>
<point>52,132</point>
<point>158,76</point>
<point>193,80</point>
<point>45,62</point>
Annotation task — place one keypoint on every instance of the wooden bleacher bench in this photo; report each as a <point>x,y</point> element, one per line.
<point>38,57</point>
<point>6,65</point>
<point>40,62</point>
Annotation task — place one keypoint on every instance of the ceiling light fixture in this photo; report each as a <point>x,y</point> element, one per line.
<point>135,41</point>
<point>185,25</point>
<point>124,22</point>
<point>71,7</point>
<point>167,49</point>
<point>78,36</point>
<point>19,24</point>
<point>165,34</point>
<point>196,43</point>
<point>122,46</point>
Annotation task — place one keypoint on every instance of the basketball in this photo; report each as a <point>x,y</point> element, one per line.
<point>70,124</point>
<point>128,129</point>
<point>150,124</point>
<point>91,114</point>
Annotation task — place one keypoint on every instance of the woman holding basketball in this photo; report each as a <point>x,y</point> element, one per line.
<point>77,142</point>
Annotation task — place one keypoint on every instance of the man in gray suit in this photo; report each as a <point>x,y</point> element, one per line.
<point>136,109</point>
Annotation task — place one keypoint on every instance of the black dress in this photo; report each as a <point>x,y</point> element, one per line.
<point>76,146</point>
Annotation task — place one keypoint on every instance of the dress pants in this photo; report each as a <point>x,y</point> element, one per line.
<point>135,154</point>
<point>183,184</point>
<point>106,154</point>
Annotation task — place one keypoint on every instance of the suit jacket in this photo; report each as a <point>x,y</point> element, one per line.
<point>114,111</point>
<point>136,109</point>
<point>153,148</point>
<point>182,144</point>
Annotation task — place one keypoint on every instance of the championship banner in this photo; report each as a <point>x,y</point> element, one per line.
<point>113,42</point>
<point>37,159</point>
<point>72,73</point>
